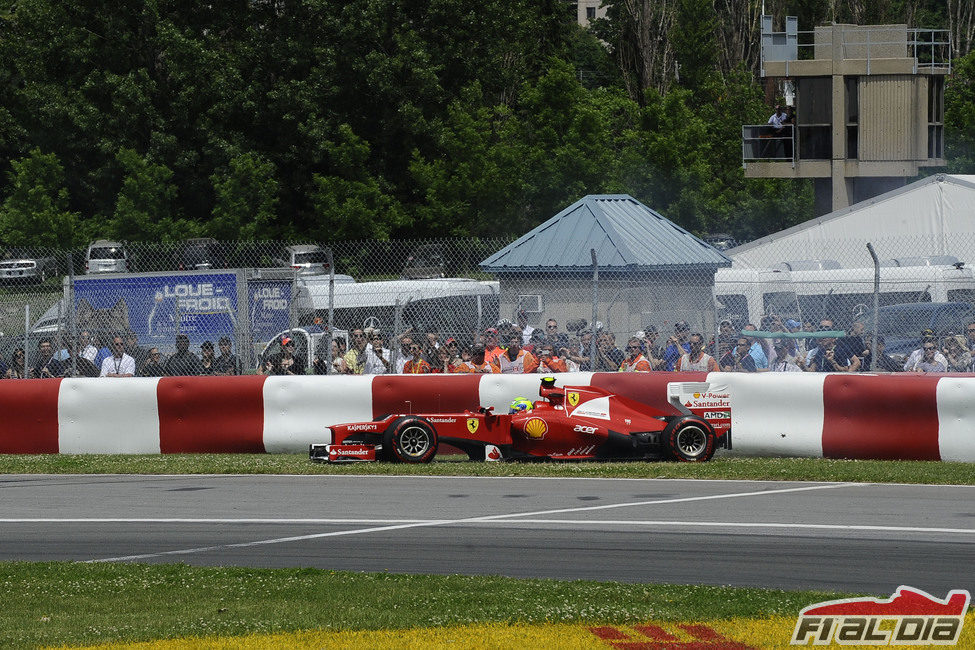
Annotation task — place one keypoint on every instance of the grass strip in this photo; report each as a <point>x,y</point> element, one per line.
<point>84,604</point>
<point>773,469</point>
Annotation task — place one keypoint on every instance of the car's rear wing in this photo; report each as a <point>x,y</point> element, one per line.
<point>697,398</point>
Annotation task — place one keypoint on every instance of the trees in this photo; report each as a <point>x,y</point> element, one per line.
<point>35,210</point>
<point>389,118</point>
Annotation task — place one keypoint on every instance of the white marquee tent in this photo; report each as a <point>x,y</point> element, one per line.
<point>916,224</point>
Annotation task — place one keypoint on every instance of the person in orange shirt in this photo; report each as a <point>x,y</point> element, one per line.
<point>634,361</point>
<point>477,363</point>
<point>491,348</point>
<point>515,360</point>
<point>417,365</point>
<point>548,362</point>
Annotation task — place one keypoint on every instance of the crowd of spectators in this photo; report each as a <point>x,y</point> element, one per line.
<point>118,355</point>
<point>515,348</point>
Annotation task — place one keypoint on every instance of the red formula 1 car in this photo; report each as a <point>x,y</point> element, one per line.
<point>568,423</point>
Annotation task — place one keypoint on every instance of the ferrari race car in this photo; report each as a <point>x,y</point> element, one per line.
<point>568,423</point>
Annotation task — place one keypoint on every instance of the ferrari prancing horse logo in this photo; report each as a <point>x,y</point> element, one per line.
<point>472,424</point>
<point>573,399</point>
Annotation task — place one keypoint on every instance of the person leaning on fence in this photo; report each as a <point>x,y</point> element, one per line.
<point>677,344</point>
<point>516,360</point>
<point>119,364</point>
<point>634,361</point>
<point>580,356</point>
<point>378,357</point>
<point>608,356</point>
<point>739,359</point>
<point>47,366</point>
<point>478,363</point>
<point>153,366</point>
<point>16,369</point>
<point>697,359</point>
<point>784,362</point>
<point>957,354</point>
<point>931,360</point>
<point>355,358</point>
<point>183,362</point>
<point>417,365</point>
<point>227,363</point>
<point>207,360</point>
<point>78,366</point>
<point>134,350</point>
<point>885,363</point>
<point>548,361</point>
<point>927,336</point>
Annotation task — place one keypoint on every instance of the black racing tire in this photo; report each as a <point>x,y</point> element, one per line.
<point>690,439</point>
<point>410,440</point>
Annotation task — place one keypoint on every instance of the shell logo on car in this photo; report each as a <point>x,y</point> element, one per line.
<point>536,428</point>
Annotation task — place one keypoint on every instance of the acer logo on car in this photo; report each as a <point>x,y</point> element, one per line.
<point>584,429</point>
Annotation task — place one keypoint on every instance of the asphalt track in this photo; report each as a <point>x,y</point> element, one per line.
<point>866,538</point>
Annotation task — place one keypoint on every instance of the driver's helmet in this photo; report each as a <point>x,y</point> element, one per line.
<point>521,405</point>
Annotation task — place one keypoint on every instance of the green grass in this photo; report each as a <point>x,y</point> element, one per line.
<point>71,603</point>
<point>775,469</point>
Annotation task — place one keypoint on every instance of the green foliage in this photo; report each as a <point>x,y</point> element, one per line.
<point>35,212</point>
<point>960,116</point>
<point>245,199</point>
<point>143,209</point>
<point>365,118</point>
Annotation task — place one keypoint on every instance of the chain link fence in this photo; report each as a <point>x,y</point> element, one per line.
<point>208,307</point>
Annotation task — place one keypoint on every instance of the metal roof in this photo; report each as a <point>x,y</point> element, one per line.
<point>625,234</point>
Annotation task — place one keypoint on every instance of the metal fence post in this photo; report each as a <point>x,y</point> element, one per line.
<point>72,345</point>
<point>876,306</point>
<point>595,308</point>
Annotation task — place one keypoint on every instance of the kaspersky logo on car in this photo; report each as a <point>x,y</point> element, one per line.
<point>909,617</point>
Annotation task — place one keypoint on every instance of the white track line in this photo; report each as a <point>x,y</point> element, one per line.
<point>468,520</point>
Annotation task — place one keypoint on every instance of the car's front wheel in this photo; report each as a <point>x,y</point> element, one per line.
<point>690,440</point>
<point>410,440</point>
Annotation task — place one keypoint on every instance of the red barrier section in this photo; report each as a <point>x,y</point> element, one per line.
<point>211,415</point>
<point>29,424</point>
<point>427,393</point>
<point>881,417</point>
<point>645,387</point>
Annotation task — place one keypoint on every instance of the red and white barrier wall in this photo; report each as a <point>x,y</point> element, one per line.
<point>780,414</point>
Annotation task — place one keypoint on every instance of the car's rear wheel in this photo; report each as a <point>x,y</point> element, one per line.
<point>410,440</point>
<point>690,440</point>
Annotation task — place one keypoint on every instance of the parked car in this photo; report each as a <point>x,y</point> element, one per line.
<point>307,338</point>
<point>18,266</point>
<point>901,324</point>
<point>105,256</point>
<point>425,263</point>
<point>200,254</point>
<point>308,259</point>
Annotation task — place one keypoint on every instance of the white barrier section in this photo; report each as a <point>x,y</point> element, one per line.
<point>297,409</point>
<point>774,414</point>
<point>108,416</point>
<point>956,413</point>
<point>500,390</point>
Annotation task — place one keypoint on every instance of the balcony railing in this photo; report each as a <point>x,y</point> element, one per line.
<point>765,142</point>
<point>930,49</point>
